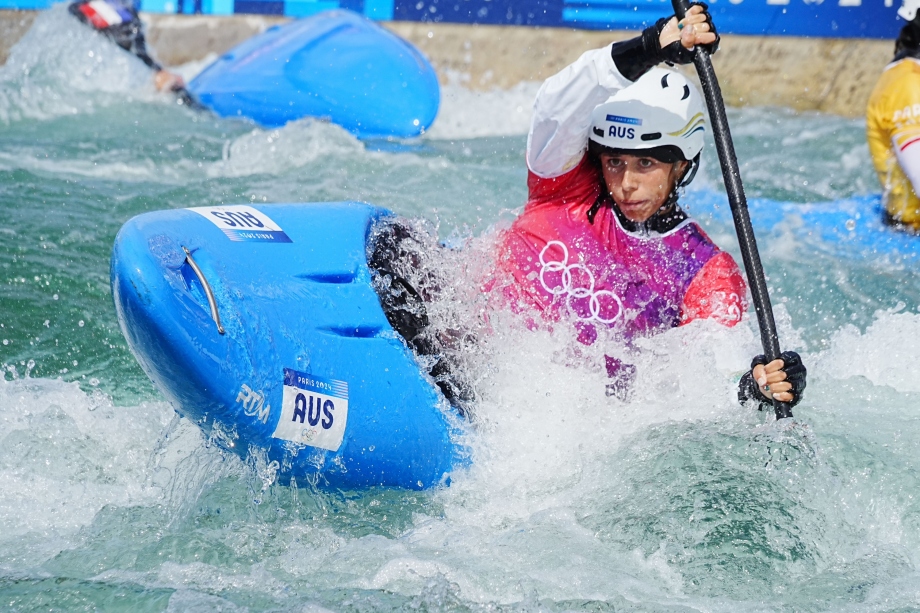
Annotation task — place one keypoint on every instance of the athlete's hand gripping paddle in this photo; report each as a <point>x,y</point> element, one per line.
<point>731,175</point>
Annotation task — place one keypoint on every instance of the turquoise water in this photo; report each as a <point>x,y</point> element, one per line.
<point>678,501</point>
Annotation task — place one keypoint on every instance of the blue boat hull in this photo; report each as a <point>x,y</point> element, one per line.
<point>308,371</point>
<point>336,65</point>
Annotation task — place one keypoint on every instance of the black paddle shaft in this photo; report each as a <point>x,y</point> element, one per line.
<point>731,175</point>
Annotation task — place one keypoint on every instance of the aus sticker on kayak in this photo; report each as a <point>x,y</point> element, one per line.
<point>243,223</point>
<point>314,410</point>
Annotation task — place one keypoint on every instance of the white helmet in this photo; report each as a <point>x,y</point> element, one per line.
<point>908,9</point>
<point>661,112</point>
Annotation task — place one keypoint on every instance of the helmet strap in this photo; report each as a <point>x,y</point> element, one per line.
<point>689,174</point>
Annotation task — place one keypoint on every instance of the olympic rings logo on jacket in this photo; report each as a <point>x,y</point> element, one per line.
<point>576,283</point>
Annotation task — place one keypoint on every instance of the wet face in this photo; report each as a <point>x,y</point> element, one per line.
<point>639,185</point>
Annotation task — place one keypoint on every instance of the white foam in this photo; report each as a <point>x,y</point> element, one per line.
<point>544,409</point>
<point>296,145</point>
<point>71,454</point>
<point>61,67</point>
<point>881,354</point>
<point>465,113</point>
<point>133,171</point>
<point>60,442</point>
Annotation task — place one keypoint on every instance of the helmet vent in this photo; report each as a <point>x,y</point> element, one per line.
<point>599,132</point>
<point>651,136</point>
<point>664,81</point>
<point>686,92</point>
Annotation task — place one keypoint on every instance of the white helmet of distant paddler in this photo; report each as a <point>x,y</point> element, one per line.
<point>908,9</point>
<point>661,113</point>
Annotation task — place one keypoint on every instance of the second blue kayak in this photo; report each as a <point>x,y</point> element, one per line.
<point>337,66</point>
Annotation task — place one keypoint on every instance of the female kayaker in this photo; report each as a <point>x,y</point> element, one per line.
<point>602,241</point>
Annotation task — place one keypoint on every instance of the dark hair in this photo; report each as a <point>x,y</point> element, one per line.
<point>908,41</point>
<point>665,153</point>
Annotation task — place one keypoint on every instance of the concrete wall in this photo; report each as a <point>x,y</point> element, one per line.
<point>13,24</point>
<point>828,75</point>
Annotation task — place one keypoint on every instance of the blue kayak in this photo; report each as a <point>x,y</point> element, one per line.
<point>337,66</point>
<point>262,326</point>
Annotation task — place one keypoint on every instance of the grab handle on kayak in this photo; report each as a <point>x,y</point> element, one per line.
<point>212,303</point>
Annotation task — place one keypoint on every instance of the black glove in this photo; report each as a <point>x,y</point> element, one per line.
<point>795,374</point>
<point>676,53</point>
<point>635,57</point>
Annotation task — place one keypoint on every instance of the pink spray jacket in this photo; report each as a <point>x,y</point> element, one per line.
<point>601,275</point>
<point>554,260</point>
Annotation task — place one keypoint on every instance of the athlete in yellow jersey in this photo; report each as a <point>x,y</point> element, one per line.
<point>893,125</point>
